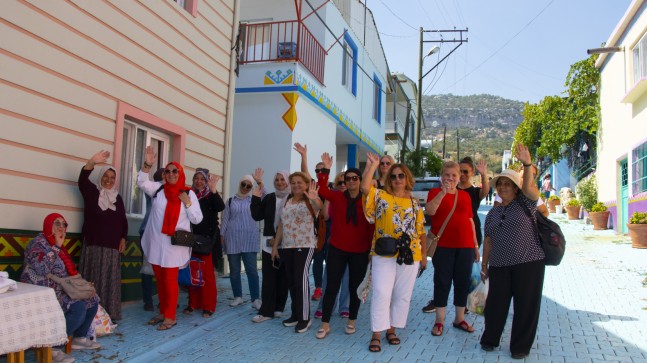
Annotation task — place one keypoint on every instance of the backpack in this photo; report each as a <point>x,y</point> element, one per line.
<point>319,224</point>
<point>550,236</point>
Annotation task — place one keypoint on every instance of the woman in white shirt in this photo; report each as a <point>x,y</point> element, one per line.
<point>174,207</point>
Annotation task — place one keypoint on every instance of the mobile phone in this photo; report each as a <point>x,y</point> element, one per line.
<point>276,263</point>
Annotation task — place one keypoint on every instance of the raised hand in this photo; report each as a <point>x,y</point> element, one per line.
<point>213,182</point>
<point>150,155</point>
<point>301,149</point>
<point>313,191</point>
<point>522,154</point>
<point>258,175</point>
<point>100,157</point>
<point>326,159</point>
<point>481,167</point>
<point>372,159</point>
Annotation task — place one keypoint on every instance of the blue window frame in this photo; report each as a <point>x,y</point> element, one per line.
<point>639,169</point>
<point>349,64</point>
<point>377,99</point>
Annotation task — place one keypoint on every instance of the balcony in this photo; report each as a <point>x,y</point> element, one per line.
<point>282,41</point>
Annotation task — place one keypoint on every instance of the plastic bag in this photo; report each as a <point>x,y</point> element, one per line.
<point>101,325</point>
<point>364,287</point>
<point>476,299</point>
<point>475,279</point>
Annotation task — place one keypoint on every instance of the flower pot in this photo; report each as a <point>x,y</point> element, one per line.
<point>600,219</point>
<point>552,204</point>
<point>573,212</point>
<point>638,233</point>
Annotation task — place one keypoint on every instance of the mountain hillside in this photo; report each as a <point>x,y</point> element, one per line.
<point>485,123</point>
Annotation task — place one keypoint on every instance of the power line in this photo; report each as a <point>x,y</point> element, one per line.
<point>396,15</point>
<point>504,44</point>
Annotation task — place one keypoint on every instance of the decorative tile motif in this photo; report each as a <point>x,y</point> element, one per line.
<point>278,77</point>
<point>290,117</point>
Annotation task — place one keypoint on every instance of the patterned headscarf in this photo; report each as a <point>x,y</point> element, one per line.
<point>204,192</point>
<point>107,197</point>
<point>48,226</point>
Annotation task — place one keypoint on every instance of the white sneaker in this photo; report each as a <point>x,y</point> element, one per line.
<point>256,304</point>
<point>84,343</point>
<point>237,301</point>
<point>260,318</point>
<point>278,314</point>
<point>59,357</point>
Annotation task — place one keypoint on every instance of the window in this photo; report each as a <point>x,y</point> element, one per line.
<point>135,139</point>
<point>349,65</point>
<point>189,5</point>
<point>640,59</point>
<point>639,169</point>
<point>377,99</point>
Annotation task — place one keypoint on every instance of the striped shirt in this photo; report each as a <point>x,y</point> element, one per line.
<point>238,227</point>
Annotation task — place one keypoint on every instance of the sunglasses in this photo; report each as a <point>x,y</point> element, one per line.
<point>246,186</point>
<point>60,224</point>
<point>385,163</point>
<point>351,178</point>
<point>400,176</point>
<point>465,172</point>
<point>169,171</point>
<point>341,182</point>
<point>318,171</point>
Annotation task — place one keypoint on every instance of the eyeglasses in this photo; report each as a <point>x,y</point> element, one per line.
<point>351,178</point>
<point>341,182</point>
<point>169,171</point>
<point>318,171</point>
<point>385,163</point>
<point>246,186</point>
<point>465,171</point>
<point>400,176</point>
<point>60,224</point>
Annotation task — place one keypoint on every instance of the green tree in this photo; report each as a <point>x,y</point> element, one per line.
<point>422,162</point>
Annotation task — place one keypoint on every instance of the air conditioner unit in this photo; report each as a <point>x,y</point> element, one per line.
<point>287,50</point>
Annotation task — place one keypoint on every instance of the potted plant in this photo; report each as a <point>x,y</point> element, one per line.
<point>573,208</point>
<point>599,215</point>
<point>638,230</point>
<point>587,192</point>
<point>553,201</point>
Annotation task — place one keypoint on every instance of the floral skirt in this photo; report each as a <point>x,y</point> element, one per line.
<point>102,266</point>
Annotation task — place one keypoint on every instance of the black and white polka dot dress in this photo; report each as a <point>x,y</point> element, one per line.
<point>513,235</point>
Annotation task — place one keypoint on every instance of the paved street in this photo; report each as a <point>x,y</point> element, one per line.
<point>594,310</point>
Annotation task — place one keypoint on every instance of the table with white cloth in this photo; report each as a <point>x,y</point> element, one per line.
<point>30,317</point>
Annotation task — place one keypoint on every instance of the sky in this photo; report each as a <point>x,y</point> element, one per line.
<point>516,49</point>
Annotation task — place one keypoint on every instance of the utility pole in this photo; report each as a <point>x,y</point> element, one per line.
<point>444,138</point>
<point>458,147</point>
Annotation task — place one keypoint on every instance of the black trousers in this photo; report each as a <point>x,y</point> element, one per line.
<point>274,291</point>
<point>297,264</point>
<point>336,263</point>
<point>452,265</point>
<point>524,283</point>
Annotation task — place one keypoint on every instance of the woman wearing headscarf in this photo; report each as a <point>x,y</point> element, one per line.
<point>105,228</point>
<point>274,291</point>
<point>175,206</point>
<point>240,238</point>
<point>204,186</point>
<point>45,255</point>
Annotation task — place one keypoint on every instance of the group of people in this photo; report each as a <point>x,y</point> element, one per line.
<point>374,226</point>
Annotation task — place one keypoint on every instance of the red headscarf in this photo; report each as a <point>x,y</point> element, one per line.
<point>48,225</point>
<point>173,204</point>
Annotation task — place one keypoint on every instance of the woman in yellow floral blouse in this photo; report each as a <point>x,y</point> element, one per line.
<point>395,214</point>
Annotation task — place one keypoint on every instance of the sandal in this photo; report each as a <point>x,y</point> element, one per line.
<point>207,313</point>
<point>166,326</point>
<point>375,348</point>
<point>438,327</point>
<point>321,333</point>
<point>188,310</point>
<point>156,320</point>
<point>392,338</point>
<point>464,326</point>
<point>350,329</point>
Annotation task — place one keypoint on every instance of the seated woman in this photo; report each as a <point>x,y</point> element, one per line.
<point>45,255</point>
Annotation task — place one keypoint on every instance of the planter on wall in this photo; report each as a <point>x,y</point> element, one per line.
<point>638,233</point>
<point>573,212</point>
<point>600,219</point>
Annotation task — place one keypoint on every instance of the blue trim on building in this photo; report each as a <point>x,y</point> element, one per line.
<point>377,81</point>
<point>352,156</point>
<point>267,89</point>
<point>348,39</point>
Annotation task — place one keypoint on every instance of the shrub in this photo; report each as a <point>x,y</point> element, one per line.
<point>639,218</point>
<point>553,197</point>
<point>587,192</point>
<point>599,207</point>
<point>573,203</point>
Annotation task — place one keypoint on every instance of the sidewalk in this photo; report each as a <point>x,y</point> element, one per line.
<point>593,311</point>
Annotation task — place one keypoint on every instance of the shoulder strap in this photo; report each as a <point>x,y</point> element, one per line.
<point>158,190</point>
<point>449,216</point>
<point>229,202</point>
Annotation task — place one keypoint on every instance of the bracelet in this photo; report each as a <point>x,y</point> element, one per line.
<point>147,165</point>
<point>188,205</point>
<point>527,165</point>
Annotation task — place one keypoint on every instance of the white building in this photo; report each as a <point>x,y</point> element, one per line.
<point>401,108</point>
<point>311,72</point>
<point>622,136</point>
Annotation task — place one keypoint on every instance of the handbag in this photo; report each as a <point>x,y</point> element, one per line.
<point>183,238</point>
<point>550,236</point>
<point>385,246</point>
<point>192,274</point>
<point>75,286</point>
<point>203,244</point>
<point>364,288</point>
<point>432,239</point>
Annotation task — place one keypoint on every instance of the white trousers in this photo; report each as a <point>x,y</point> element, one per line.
<point>392,286</point>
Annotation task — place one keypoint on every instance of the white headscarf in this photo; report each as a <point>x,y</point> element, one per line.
<point>285,192</point>
<point>250,179</point>
<point>107,197</point>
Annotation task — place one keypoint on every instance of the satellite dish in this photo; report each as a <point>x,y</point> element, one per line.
<point>434,124</point>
